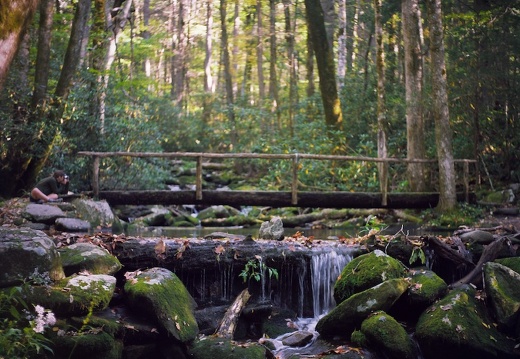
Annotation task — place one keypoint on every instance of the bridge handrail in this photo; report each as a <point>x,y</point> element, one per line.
<point>295,157</point>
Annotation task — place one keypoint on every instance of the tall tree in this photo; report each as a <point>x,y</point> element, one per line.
<point>441,114</point>
<point>227,73</point>
<point>291,59</point>
<point>325,60</point>
<point>381,102</point>
<point>415,134</point>
<point>179,50</point>
<point>15,17</point>
<point>273,63</point>
<point>260,50</point>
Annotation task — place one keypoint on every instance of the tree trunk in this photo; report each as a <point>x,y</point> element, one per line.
<point>260,51</point>
<point>50,125</point>
<point>208,78</point>
<point>11,33</point>
<point>443,134</point>
<point>326,69</point>
<point>291,58</point>
<point>411,22</point>
<point>180,46</point>
<point>273,62</point>
<point>227,72</point>
<point>381,103</point>
<point>41,73</point>
<point>342,43</point>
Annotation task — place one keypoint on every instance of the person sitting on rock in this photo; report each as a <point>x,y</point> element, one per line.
<point>49,189</point>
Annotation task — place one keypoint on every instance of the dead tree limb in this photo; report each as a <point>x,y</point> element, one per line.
<point>445,251</point>
<point>490,253</point>
<point>228,324</point>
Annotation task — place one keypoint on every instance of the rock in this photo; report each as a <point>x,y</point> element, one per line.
<point>298,339</point>
<point>511,262</point>
<point>214,212</point>
<point>220,348</point>
<point>75,295</point>
<point>366,271</point>
<point>27,254</point>
<point>88,257</point>
<point>158,294</point>
<point>349,314</point>
<point>272,229</point>
<point>98,214</point>
<point>503,289</point>
<point>72,225</point>
<point>426,287</point>
<point>458,326</point>
<point>43,213</point>
<point>87,346</point>
<point>387,336</point>
<point>478,236</point>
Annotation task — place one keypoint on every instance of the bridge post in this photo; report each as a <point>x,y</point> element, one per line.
<point>198,183</point>
<point>95,177</point>
<point>294,184</point>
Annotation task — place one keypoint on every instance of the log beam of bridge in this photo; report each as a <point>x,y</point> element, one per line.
<point>278,199</point>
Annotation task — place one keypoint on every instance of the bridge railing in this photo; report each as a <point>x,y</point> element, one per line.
<point>294,157</point>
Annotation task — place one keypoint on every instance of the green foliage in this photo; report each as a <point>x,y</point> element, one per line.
<point>21,331</point>
<point>462,214</point>
<point>417,254</point>
<point>256,268</point>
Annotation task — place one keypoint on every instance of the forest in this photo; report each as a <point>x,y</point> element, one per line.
<point>404,79</point>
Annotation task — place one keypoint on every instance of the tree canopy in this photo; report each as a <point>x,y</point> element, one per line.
<point>165,75</point>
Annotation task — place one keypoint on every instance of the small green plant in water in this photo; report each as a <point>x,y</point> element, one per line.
<point>418,253</point>
<point>254,269</point>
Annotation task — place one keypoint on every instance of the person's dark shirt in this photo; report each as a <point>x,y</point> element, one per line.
<point>50,185</point>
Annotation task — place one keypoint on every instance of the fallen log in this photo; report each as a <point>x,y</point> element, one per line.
<point>490,253</point>
<point>278,199</point>
<point>445,251</point>
<point>228,324</point>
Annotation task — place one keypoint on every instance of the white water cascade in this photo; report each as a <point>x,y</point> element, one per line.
<point>325,269</point>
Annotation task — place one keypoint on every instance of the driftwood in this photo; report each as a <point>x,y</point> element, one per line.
<point>445,251</point>
<point>228,324</point>
<point>490,253</point>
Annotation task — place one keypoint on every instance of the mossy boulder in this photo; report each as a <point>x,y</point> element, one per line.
<point>459,326</point>
<point>88,257</point>
<point>366,271</point>
<point>425,288</point>
<point>87,345</point>
<point>387,336</point>
<point>349,314</point>
<point>220,348</point>
<point>159,294</point>
<point>25,254</point>
<point>503,289</point>
<point>510,262</point>
<point>75,295</point>
<point>98,214</point>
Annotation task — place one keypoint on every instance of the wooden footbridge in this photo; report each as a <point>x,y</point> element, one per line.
<point>294,197</point>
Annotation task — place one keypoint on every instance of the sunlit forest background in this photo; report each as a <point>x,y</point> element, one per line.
<point>240,76</point>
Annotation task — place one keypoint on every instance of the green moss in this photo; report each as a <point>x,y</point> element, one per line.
<point>426,287</point>
<point>459,326</point>
<point>358,338</point>
<point>100,345</point>
<point>366,271</point>
<point>384,333</point>
<point>512,262</point>
<point>212,348</point>
<point>159,292</point>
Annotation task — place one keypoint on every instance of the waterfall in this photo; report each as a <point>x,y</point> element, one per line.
<point>325,269</point>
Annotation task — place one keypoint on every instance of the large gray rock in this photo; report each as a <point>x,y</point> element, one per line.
<point>88,257</point>
<point>349,314</point>
<point>272,229</point>
<point>75,295</point>
<point>72,225</point>
<point>159,295</point>
<point>503,290</point>
<point>26,254</point>
<point>459,326</point>
<point>43,213</point>
<point>98,214</point>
